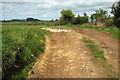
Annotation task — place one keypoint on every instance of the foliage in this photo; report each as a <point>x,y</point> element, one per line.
<point>101,18</point>
<point>99,15</point>
<point>77,20</point>
<point>109,22</point>
<point>66,16</point>
<point>20,47</point>
<point>31,19</point>
<point>116,12</point>
<point>56,19</point>
<point>81,20</point>
<point>86,18</point>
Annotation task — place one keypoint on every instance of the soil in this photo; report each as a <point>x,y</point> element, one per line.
<point>66,55</point>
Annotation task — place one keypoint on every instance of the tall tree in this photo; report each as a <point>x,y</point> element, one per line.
<point>116,12</point>
<point>67,16</point>
<point>85,18</point>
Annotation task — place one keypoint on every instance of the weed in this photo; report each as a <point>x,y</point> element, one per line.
<point>94,49</point>
<point>91,71</point>
<point>87,41</point>
<point>96,52</point>
<point>20,47</point>
<point>109,68</point>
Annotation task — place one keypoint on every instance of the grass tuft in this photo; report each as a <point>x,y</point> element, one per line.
<point>87,41</point>
<point>96,52</point>
<point>94,49</point>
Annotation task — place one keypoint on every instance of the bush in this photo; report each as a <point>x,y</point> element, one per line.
<point>116,12</point>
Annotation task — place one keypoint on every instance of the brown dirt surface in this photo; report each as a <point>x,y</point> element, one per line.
<point>66,55</point>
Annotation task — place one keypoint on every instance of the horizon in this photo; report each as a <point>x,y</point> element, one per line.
<point>48,10</point>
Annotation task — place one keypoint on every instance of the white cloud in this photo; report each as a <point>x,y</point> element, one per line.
<point>50,9</point>
<point>87,1</point>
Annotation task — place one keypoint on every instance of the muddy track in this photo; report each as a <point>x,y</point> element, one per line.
<point>66,55</point>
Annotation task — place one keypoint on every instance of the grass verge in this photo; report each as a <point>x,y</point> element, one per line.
<point>20,50</point>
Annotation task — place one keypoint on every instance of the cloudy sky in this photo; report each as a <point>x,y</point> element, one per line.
<point>50,9</point>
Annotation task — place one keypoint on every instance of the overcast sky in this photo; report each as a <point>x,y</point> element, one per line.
<point>50,9</point>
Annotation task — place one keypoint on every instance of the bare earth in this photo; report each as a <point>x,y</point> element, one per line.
<point>66,55</point>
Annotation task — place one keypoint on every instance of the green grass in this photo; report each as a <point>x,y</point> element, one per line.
<point>21,47</point>
<point>91,71</point>
<point>87,41</point>
<point>109,68</point>
<point>32,23</point>
<point>96,52</point>
<point>114,31</point>
<point>94,49</point>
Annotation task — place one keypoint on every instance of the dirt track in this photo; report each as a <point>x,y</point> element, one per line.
<point>66,55</point>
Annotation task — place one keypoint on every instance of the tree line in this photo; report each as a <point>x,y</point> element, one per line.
<point>67,17</point>
<point>100,16</point>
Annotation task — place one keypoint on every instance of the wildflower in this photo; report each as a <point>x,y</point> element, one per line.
<point>32,55</point>
<point>41,41</point>
<point>18,48</point>
<point>35,35</point>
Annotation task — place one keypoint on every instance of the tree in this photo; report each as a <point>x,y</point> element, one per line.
<point>116,12</point>
<point>67,16</point>
<point>52,20</point>
<point>101,18</point>
<point>85,18</point>
<point>81,20</point>
<point>56,19</point>
<point>30,19</point>
<point>77,20</point>
<point>99,15</point>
